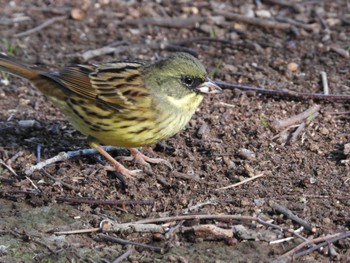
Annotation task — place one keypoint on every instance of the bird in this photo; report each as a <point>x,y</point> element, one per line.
<point>128,104</point>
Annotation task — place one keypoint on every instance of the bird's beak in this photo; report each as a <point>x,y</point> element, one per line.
<point>209,87</point>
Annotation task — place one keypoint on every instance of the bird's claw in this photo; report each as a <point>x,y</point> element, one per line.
<point>144,160</point>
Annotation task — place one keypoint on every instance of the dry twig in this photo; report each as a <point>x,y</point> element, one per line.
<point>175,22</point>
<point>41,26</point>
<point>296,7</point>
<point>254,21</point>
<point>290,121</point>
<point>297,132</point>
<point>63,156</point>
<point>196,217</point>
<point>240,183</point>
<point>327,242</point>
<point>308,226</point>
<point>124,256</point>
<point>83,200</point>
<point>313,27</point>
<point>341,51</point>
<point>209,232</point>
<point>328,239</point>
<point>324,82</point>
<point>127,242</point>
<point>78,231</point>
<point>286,94</point>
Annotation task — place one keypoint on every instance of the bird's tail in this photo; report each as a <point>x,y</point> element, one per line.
<point>11,65</point>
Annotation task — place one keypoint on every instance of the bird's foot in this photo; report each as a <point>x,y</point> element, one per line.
<point>144,160</point>
<point>119,168</point>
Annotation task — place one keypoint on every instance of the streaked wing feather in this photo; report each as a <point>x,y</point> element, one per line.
<point>117,85</point>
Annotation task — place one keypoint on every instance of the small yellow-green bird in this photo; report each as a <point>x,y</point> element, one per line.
<point>126,104</point>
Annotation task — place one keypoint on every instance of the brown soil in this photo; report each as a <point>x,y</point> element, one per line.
<point>309,176</point>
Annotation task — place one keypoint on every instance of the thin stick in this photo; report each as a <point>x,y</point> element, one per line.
<point>284,93</point>
<point>254,21</point>
<point>297,132</point>
<point>240,183</point>
<point>78,231</point>
<point>82,200</point>
<point>174,22</point>
<point>278,241</point>
<point>195,217</point>
<point>308,226</point>
<point>290,121</point>
<point>41,26</point>
<point>68,186</point>
<point>309,242</point>
<point>123,256</point>
<point>225,104</point>
<point>14,191</point>
<point>8,167</point>
<point>340,51</point>
<point>294,232</point>
<point>327,242</point>
<point>127,242</point>
<point>324,82</point>
<point>292,22</point>
<point>297,8</point>
<point>63,156</point>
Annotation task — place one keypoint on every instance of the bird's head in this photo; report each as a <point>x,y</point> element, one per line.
<point>178,76</point>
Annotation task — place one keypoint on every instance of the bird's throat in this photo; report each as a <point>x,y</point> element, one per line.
<point>188,103</point>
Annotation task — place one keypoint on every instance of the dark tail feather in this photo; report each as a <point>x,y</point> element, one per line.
<point>13,66</point>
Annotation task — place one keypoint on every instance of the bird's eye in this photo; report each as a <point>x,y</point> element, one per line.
<point>188,81</point>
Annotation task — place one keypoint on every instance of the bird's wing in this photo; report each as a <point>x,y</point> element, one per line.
<point>117,85</point>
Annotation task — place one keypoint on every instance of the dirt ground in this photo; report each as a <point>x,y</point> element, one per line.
<point>230,138</point>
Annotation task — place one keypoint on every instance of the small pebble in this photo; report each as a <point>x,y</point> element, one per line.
<point>259,201</point>
<point>245,202</point>
<point>324,131</point>
<point>203,130</point>
<point>326,221</point>
<point>347,148</point>
<point>263,13</point>
<point>292,67</point>
<point>246,154</point>
<point>29,123</point>
<point>77,14</point>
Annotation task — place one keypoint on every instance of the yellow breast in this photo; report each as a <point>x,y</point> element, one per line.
<point>132,127</point>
